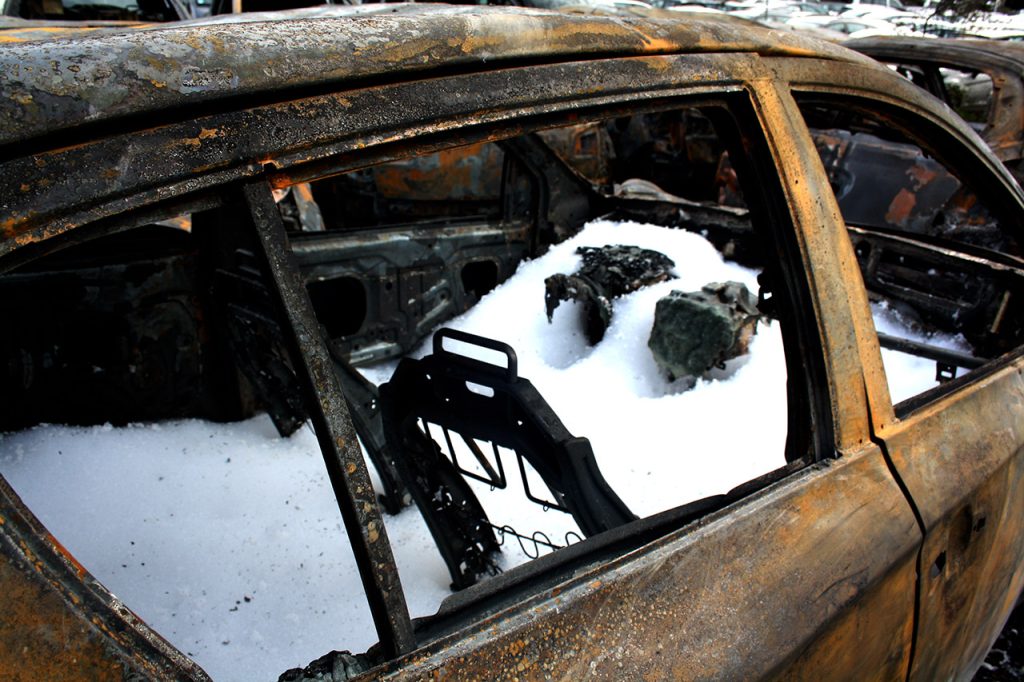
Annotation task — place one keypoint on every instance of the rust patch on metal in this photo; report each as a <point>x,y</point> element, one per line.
<point>901,207</point>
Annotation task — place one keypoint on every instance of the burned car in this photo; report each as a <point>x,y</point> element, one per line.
<point>350,181</point>
<point>980,79</point>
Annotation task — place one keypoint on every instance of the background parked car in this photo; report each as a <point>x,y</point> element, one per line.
<point>982,80</point>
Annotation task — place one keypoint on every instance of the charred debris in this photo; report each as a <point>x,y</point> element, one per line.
<point>607,273</point>
<point>694,332</point>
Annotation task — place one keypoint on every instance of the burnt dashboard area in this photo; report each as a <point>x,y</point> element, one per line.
<point>943,254</point>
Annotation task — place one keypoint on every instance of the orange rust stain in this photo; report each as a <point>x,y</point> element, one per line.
<point>194,42</point>
<point>921,176</point>
<point>204,134</point>
<point>550,35</point>
<point>964,200</point>
<point>153,63</point>
<point>47,639</point>
<point>901,206</point>
<point>660,44</point>
<point>399,52</point>
<point>451,174</point>
<point>515,647</point>
<point>48,32</point>
<point>10,227</point>
<point>79,569</point>
<point>660,64</point>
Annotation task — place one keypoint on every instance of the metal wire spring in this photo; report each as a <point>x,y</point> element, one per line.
<point>538,540</point>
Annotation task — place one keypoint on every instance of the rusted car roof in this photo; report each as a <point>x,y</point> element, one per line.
<point>49,85</point>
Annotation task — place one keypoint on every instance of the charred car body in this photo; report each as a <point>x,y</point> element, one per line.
<point>312,170</point>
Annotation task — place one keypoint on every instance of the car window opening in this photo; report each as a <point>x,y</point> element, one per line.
<point>626,164</point>
<point>943,271</point>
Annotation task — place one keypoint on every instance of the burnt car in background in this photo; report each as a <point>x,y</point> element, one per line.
<point>887,539</point>
<point>980,79</point>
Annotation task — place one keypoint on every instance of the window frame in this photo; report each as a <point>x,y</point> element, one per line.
<point>808,394</point>
<point>1002,196</point>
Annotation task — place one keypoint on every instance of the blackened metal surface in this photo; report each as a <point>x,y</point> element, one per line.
<point>945,288</point>
<point>922,350</point>
<point>364,406</point>
<point>607,273</point>
<point>47,86</point>
<point>623,269</point>
<point>396,290</point>
<point>245,308</point>
<point>595,306</point>
<point>727,227</point>
<point>337,666</point>
<point>342,456</point>
<point>113,331</point>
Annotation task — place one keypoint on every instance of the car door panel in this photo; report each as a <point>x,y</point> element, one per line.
<point>765,588</point>
<point>962,460</point>
<point>956,450</point>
